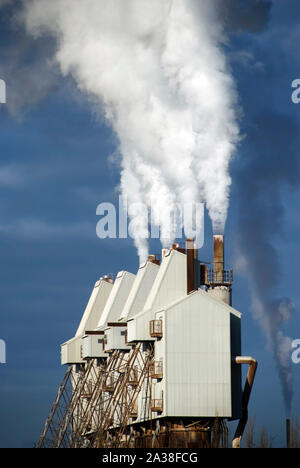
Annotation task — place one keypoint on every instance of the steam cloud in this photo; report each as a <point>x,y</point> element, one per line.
<point>259,182</point>
<point>158,73</point>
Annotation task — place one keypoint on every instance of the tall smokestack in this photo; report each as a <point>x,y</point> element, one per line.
<point>218,258</point>
<point>288,433</point>
<point>191,253</point>
<point>219,280</point>
<point>153,259</point>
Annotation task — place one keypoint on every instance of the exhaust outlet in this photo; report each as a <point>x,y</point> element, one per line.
<point>236,443</point>
<point>219,258</point>
<point>217,279</point>
<point>153,259</point>
<point>288,433</point>
<point>191,253</point>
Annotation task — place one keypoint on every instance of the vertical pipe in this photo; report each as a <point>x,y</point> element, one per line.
<point>218,258</point>
<point>152,259</point>
<point>236,443</point>
<point>108,279</point>
<point>190,262</point>
<point>288,433</point>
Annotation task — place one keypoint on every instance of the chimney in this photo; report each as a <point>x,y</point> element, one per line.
<point>191,254</point>
<point>218,258</point>
<point>153,259</point>
<point>288,433</point>
<point>107,278</point>
<point>164,252</point>
<point>178,248</point>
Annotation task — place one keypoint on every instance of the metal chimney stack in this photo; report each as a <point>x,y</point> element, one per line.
<point>288,433</point>
<point>191,253</point>
<point>218,258</point>
<point>218,280</point>
<point>153,259</point>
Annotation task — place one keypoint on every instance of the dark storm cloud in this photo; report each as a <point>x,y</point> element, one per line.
<point>28,78</point>
<point>245,15</point>
<point>4,3</point>
<point>270,163</point>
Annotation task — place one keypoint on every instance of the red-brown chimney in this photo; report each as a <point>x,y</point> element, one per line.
<point>218,258</point>
<point>191,253</point>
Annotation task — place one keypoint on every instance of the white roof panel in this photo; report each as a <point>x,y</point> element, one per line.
<point>95,306</point>
<point>140,290</point>
<point>117,298</point>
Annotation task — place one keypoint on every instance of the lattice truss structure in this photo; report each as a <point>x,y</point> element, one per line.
<point>96,401</point>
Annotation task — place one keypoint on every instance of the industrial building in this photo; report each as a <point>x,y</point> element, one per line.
<point>156,360</point>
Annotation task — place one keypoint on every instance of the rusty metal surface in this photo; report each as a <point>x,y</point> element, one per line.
<point>288,433</point>
<point>221,277</point>
<point>236,443</point>
<point>207,434</point>
<point>219,255</point>
<point>154,259</point>
<point>190,252</point>
<point>156,330</point>
<point>121,403</point>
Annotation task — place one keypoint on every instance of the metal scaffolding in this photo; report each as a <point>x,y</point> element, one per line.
<point>67,406</point>
<point>121,406</point>
<point>96,400</point>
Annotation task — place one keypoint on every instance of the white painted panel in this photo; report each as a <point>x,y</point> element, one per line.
<point>95,307</point>
<point>139,327</point>
<point>168,287</point>
<point>117,298</point>
<point>131,330</point>
<point>115,339</point>
<point>197,358</point>
<point>170,283</point>
<point>140,290</point>
<point>71,351</point>
<point>92,346</point>
<point>64,354</point>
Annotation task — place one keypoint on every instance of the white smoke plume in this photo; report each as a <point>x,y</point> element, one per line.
<point>272,315</point>
<point>158,73</point>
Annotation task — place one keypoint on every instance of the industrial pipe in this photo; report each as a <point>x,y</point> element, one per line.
<point>288,433</point>
<point>191,253</point>
<point>155,435</point>
<point>236,442</point>
<point>218,258</point>
<point>152,259</point>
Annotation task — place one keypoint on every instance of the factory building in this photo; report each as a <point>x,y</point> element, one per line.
<point>156,359</point>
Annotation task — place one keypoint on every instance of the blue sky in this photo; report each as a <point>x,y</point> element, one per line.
<point>57,164</point>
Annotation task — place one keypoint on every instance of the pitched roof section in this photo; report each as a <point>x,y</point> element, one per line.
<point>170,283</point>
<point>140,290</point>
<point>95,306</point>
<point>117,298</point>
